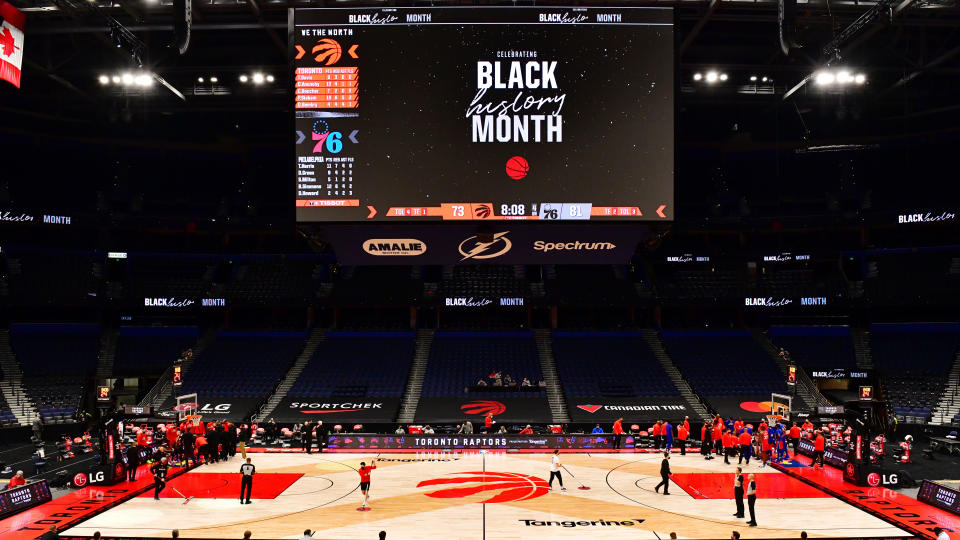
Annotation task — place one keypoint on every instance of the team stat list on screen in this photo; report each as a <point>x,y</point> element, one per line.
<point>484,113</point>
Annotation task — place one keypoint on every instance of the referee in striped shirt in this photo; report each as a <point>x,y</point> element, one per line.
<point>247,470</point>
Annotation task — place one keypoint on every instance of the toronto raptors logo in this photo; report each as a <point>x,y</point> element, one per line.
<point>873,479</point>
<point>80,479</point>
<point>510,486</point>
<point>851,470</point>
<point>483,407</point>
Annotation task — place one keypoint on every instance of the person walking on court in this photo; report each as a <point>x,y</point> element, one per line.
<point>555,470</point>
<point>664,475</point>
<point>617,433</point>
<point>745,445</point>
<point>159,471</point>
<point>365,480</point>
<point>752,500</point>
<point>247,470</point>
<point>738,492</point>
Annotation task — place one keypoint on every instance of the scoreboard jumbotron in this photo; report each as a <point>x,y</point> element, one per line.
<point>484,113</point>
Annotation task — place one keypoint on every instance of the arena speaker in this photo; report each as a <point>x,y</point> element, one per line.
<point>183,22</point>
<point>906,481</point>
<point>787,20</point>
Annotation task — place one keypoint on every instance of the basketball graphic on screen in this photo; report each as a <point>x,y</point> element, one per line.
<point>327,49</point>
<point>517,167</point>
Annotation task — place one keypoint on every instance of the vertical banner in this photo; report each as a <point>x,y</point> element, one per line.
<point>12,22</point>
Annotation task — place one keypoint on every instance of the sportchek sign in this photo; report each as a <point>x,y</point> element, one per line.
<point>300,409</point>
<point>630,409</point>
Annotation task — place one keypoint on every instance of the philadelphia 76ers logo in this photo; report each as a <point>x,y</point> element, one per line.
<point>509,486</point>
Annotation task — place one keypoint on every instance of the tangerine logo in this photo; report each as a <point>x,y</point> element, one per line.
<point>483,407</point>
<point>511,486</point>
<point>327,49</point>
<point>756,406</point>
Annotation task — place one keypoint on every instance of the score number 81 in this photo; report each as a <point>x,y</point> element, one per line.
<point>332,140</point>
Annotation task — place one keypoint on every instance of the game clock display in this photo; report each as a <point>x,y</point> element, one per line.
<point>23,497</point>
<point>483,113</point>
<point>939,496</point>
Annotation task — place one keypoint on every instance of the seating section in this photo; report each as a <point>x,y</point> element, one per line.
<point>459,359</point>
<point>484,281</point>
<point>168,276</point>
<point>52,279</point>
<point>724,363</point>
<point>609,364</point>
<point>381,285</point>
<point>272,280</point>
<point>598,285</point>
<point>7,418</point>
<point>816,348</point>
<point>912,360</point>
<point>57,398</point>
<point>243,364</point>
<point>56,360</point>
<point>356,365</point>
<point>55,349</point>
<point>150,350</point>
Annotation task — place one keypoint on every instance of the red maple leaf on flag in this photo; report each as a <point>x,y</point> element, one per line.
<point>7,43</point>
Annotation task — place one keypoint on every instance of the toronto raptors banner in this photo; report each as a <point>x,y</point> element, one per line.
<point>12,22</point>
<point>519,410</point>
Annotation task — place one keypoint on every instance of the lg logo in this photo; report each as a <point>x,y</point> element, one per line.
<point>874,479</point>
<point>220,407</point>
<point>80,479</point>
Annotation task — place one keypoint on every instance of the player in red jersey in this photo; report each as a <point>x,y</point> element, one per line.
<point>365,479</point>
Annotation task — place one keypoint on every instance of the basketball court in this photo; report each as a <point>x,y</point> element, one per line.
<point>473,496</point>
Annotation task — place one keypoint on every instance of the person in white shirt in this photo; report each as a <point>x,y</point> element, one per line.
<point>428,430</point>
<point>307,535</point>
<point>555,470</point>
<point>399,430</point>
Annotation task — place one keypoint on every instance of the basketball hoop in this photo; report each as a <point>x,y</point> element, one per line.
<point>194,419</point>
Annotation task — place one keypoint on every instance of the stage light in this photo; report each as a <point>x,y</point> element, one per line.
<point>723,76</point>
<point>712,76</point>
<point>144,79</point>
<point>115,79</point>
<point>103,79</point>
<point>269,78</point>
<point>258,78</point>
<point>825,78</point>
<point>844,77</point>
<point>753,78</point>
<point>243,78</point>
<point>764,79</point>
<point>214,79</point>
<point>127,78</point>
<point>860,78</point>
<point>199,79</point>
<point>697,76</point>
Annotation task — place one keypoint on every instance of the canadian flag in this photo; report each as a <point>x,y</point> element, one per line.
<point>11,42</point>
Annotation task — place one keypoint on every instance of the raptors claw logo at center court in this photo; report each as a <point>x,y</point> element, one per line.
<point>512,486</point>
